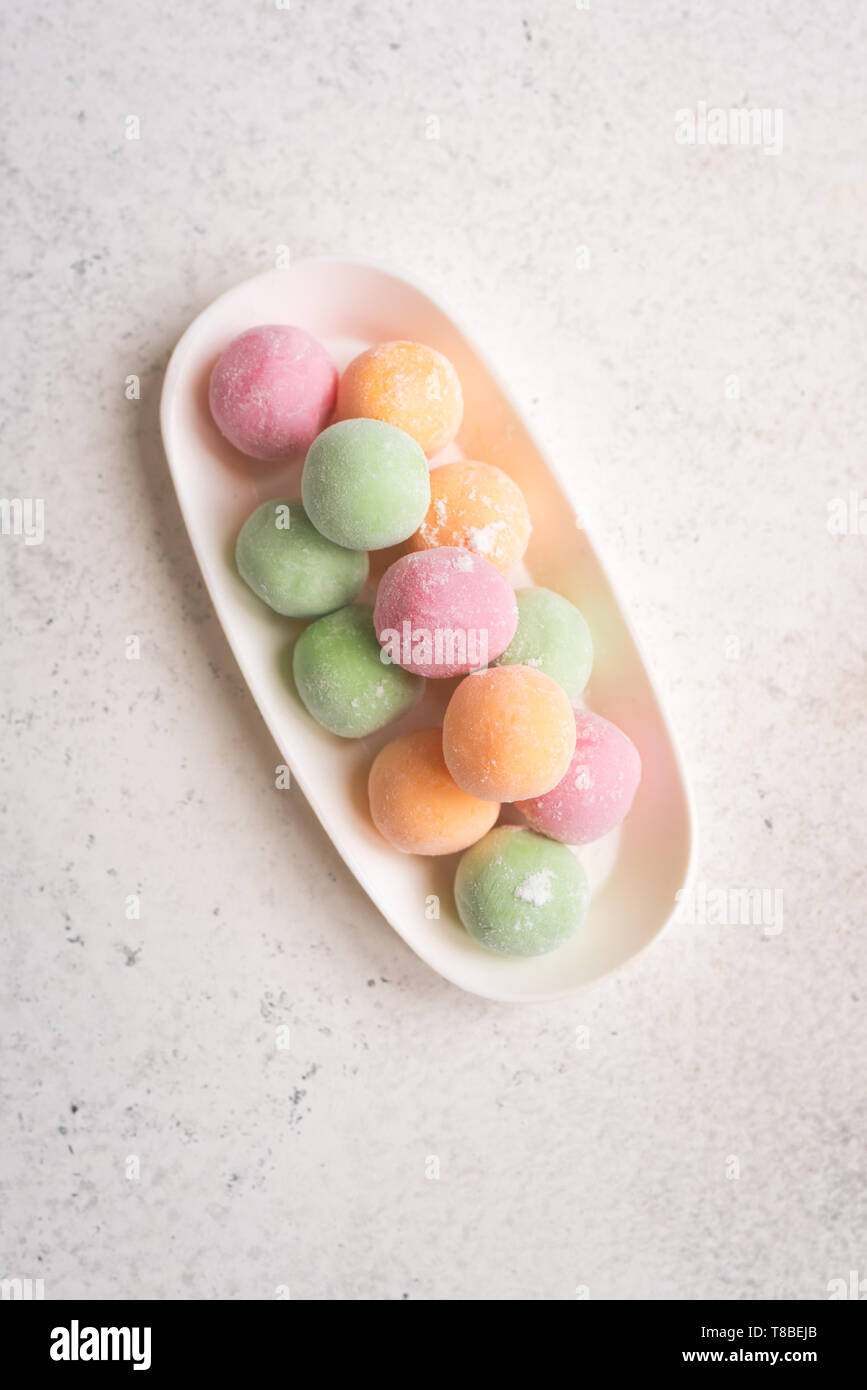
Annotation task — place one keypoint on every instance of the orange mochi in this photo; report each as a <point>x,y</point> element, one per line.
<point>478,507</point>
<point>506,729</point>
<point>415,803</point>
<point>408,385</point>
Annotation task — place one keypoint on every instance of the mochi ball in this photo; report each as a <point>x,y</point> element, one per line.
<point>552,636</point>
<point>508,733</point>
<point>597,790</point>
<point>479,507</point>
<point>341,680</point>
<point>272,391</point>
<point>365,484</point>
<point>444,612</point>
<point>415,802</point>
<point>293,568</point>
<point>519,894</point>
<point>408,385</point>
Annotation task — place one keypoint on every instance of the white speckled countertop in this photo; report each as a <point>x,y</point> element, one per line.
<point>692,1127</point>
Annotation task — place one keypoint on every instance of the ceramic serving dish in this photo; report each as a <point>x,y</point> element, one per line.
<point>636,872</point>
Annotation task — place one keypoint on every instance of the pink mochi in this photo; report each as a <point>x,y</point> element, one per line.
<point>597,790</point>
<point>444,612</point>
<point>273,391</point>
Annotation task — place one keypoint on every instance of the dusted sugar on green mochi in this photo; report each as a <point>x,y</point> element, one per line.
<point>297,571</point>
<point>519,894</point>
<point>365,484</point>
<point>552,636</point>
<point>342,680</point>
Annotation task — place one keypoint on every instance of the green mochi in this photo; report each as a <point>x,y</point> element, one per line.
<point>520,894</point>
<point>552,636</point>
<point>297,571</point>
<point>342,680</point>
<point>366,484</point>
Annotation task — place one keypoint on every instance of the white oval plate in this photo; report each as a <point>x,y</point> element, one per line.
<point>635,872</point>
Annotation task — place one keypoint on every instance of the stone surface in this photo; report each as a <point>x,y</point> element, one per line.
<point>683,327</point>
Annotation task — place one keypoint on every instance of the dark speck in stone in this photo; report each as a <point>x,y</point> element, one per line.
<point>769,823</point>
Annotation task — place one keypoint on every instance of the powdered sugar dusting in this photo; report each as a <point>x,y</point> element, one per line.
<point>483,539</point>
<point>535,888</point>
